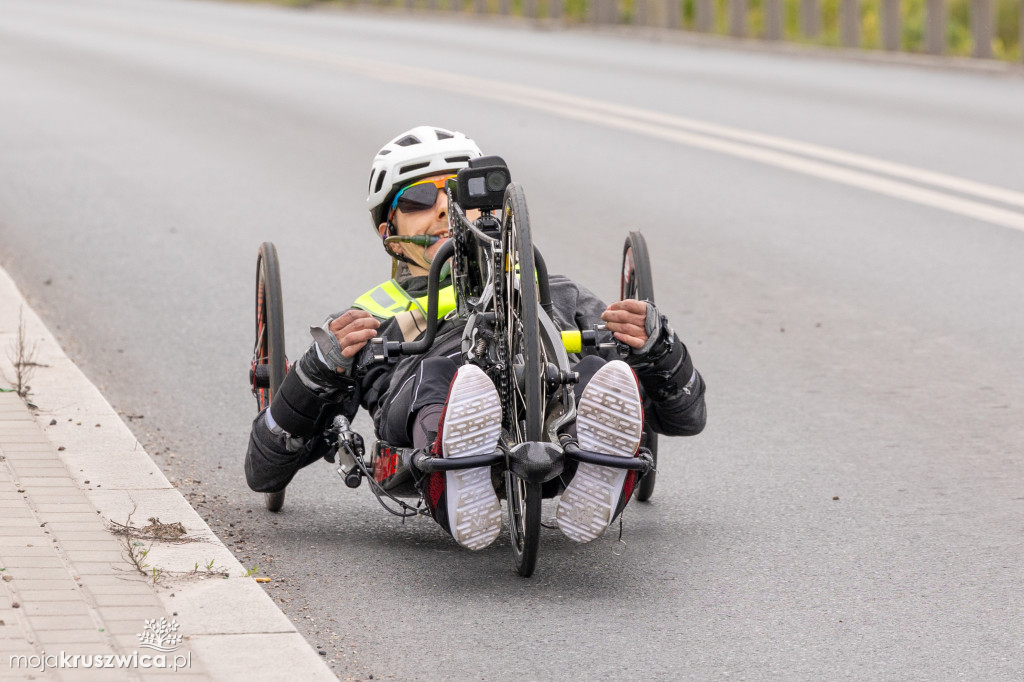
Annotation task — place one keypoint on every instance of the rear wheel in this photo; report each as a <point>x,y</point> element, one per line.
<point>638,283</point>
<point>522,389</point>
<point>269,363</point>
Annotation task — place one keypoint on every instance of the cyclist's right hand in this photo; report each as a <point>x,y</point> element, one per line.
<point>332,361</point>
<point>353,330</point>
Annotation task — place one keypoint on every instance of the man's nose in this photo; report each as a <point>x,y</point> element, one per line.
<point>441,205</point>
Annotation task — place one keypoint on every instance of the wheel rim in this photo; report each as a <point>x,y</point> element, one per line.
<point>628,288</point>
<point>261,353</point>
<point>269,347</point>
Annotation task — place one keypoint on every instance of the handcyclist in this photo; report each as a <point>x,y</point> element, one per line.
<point>432,403</point>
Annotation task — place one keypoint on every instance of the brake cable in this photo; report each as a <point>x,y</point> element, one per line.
<point>407,510</point>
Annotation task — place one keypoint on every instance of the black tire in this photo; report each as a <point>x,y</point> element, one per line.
<point>523,400</point>
<point>269,348</point>
<point>637,282</point>
<point>524,510</point>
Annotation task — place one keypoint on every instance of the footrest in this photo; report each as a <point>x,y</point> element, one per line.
<point>429,465</point>
<point>642,463</point>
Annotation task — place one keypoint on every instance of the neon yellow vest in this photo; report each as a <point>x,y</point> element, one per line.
<point>389,299</point>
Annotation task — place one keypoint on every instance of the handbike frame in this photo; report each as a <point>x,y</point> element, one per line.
<point>508,332</point>
<point>488,285</point>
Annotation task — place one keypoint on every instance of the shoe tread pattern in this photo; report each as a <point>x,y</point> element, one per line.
<point>609,420</point>
<point>472,425</point>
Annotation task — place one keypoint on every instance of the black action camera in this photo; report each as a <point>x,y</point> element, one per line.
<point>483,184</point>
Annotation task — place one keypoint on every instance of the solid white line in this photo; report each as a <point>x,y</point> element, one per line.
<point>590,111</point>
<point>981,190</point>
<point>766,149</point>
<point>586,110</point>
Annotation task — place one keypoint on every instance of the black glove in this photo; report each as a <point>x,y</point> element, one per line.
<point>324,365</point>
<point>660,340</point>
<point>663,364</point>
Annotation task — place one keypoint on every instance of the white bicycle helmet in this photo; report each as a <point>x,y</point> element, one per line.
<point>417,153</point>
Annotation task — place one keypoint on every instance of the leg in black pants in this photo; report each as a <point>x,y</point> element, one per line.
<point>412,412</point>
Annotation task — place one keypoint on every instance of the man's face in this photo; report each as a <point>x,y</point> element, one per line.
<point>431,221</point>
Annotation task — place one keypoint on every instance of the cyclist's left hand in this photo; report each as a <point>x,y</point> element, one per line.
<point>627,320</point>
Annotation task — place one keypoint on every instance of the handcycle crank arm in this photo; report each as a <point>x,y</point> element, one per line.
<point>543,286</point>
<point>433,285</point>
<point>394,349</point>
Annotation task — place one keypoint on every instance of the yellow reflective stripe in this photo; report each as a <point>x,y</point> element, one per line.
<point>386,300</point>
<point>445,301</point>
<point>403,301</point>
<point>389,299</point>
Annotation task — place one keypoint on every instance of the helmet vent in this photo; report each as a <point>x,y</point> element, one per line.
<point>456,159</point>
<point>383,152</point>
<point>413,167</point>
<point>443,134</point>
<point>407,141</point>
<point>380,181</point>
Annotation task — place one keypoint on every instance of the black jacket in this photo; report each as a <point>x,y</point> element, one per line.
<point>673,390</point>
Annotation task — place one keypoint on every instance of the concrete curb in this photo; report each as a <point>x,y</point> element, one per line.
<point>232,628</point>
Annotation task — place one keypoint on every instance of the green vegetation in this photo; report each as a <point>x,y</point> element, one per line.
<point>1006,43</point>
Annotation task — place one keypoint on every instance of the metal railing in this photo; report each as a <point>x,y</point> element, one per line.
<point>984,29</point>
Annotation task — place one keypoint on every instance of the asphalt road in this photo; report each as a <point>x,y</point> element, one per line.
<point>854,508</point>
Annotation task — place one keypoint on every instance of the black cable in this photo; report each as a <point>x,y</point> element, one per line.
<point>378,490</point>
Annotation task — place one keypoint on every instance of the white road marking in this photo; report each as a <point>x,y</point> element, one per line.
<point>771,150</point>
<point>667,127</point>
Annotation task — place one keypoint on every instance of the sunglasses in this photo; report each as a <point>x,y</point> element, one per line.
<point>419,196</point>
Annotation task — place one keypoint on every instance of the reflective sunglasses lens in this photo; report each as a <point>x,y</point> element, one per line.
<point>417,197</point>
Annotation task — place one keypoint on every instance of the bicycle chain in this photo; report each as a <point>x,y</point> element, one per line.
<point>502,334</point>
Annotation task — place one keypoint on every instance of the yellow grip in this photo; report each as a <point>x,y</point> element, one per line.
<point>573,341</point>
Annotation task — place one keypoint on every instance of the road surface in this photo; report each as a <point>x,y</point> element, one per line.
<point>838,243</point>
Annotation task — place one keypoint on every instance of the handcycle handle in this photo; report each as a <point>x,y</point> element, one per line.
<point>576,340</point>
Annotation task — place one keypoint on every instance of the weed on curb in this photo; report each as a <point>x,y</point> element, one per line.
<point>136,551</point>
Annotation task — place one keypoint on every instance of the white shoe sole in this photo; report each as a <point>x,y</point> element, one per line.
<point>609,420</point>
<point>472,425</point>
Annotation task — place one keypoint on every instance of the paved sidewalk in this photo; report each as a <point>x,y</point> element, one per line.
<point>65,585</point>
<point>71,474</point>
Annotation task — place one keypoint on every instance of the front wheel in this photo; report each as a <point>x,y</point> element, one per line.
<point>524,501</point>
<point>522,386</point>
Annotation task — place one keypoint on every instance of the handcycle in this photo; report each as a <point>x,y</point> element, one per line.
<point>502,294</point>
